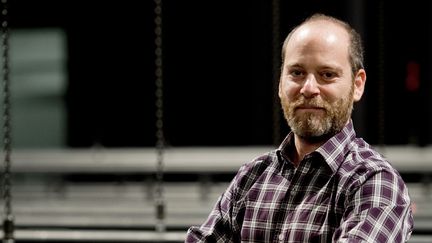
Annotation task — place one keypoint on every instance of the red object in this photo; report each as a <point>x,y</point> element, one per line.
<point>412,81</point>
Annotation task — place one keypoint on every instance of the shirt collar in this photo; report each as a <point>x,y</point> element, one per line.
<point>333,150</point>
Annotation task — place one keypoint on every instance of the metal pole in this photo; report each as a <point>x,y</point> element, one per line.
<point>8,221</point>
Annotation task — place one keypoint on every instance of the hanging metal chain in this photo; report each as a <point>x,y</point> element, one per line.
<point>8,221</point>
<point>160,139</point>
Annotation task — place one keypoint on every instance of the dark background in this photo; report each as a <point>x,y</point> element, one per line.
<point>219,62</point>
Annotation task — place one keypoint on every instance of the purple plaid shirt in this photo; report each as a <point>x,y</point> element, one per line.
<point>344,191</point>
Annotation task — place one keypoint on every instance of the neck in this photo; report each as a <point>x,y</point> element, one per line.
<point>304,147</point>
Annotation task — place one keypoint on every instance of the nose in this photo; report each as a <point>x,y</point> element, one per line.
<point>310,87</point>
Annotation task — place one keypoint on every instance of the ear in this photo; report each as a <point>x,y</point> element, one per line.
<point>280,88</point>
<point>359,84</point>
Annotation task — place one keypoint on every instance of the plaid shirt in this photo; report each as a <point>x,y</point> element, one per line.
<point>343,192</point>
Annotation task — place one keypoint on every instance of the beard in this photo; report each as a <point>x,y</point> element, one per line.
<point>318,126</point>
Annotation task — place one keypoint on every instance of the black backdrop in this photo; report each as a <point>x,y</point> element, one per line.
<point>218,68</point>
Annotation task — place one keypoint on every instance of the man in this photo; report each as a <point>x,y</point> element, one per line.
<point>322,184</point>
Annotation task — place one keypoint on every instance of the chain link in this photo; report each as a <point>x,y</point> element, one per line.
<point>160,140</point>
<point>8,223</point>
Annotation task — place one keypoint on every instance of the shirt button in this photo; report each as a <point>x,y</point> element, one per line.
<point>281,237</point>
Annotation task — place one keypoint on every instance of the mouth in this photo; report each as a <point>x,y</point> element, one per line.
<point>308,108</point>
<point>312,107</point>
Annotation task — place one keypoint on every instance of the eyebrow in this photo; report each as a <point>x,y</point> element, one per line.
<point>293,66</point>
<point>335,67</point>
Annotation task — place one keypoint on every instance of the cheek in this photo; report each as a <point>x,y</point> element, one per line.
<point>335,92</point>
<point>289,90</point>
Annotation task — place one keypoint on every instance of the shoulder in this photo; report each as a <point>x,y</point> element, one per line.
<point>252,170</point>
<point>362,157</point>
<point>256,166</point>
<point>363,162</point>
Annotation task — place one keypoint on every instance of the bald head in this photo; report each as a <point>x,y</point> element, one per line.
<point>328,31</point>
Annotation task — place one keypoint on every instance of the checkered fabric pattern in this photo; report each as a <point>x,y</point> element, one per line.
<point>345,191</point>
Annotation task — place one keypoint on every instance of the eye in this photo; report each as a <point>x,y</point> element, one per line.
<point>328,75</point>
<point>296,73</point>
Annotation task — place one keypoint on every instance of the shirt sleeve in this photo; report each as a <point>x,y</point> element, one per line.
<point>377,210</point>
<point>219,226</point>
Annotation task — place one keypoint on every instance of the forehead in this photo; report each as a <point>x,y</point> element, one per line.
<point>320,32</point>
<point>319,38</point>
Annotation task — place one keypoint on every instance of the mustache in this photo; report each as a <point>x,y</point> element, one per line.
<point>310,103</point>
